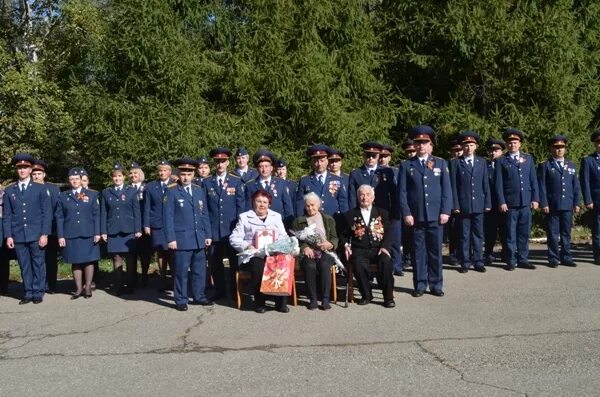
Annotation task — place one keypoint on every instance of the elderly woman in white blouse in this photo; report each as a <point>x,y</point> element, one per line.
<point>258,219</point>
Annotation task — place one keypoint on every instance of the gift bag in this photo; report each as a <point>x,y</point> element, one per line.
<point>278,275</point>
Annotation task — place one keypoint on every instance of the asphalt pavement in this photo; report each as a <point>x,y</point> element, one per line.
<point>520,333</point>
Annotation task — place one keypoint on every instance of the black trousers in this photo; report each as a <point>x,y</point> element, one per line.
<point>5,256</point>
<point>360,261</point>
<point>143,251</point>
<point>256,266</point>
<point>52,262</point>
<point>219,251</point>
<point>317,267</point>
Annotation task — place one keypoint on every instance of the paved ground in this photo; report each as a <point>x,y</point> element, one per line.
<point>527,332</point>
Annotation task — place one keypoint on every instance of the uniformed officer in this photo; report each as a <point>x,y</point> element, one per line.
<point>143,246</point>
<point>493,221</point>
<point>559,198</point>
<point>425,205</point>
<point>78,231</point>
<point>278,189</point>
<point>471,197</point>
<point>329,187</point>
<point>38,174</point>
<point>153,219</point>
<point>27,222</point>
<point>225,201</point>
<point>188,232</point>
<point>242,170</point>
<point>517,194</point>
<point>203,170</point>
<point>5,254</point>
<point>85,181</point>
<point>120,226</point>
<point>590,189</point>
<point>281,171</point>
<point>335,159</point>
<point>451,231</point>
<point>407,240</point>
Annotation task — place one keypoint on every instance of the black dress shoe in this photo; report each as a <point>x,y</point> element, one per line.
<point>203,303</point>
<point>569,264</point>
<point>283,309</point>
<point>313,305</point>
<point>260,309</point>
<point>528,266</point>
<point>325,305</point>
<point>399,273</point>
<point>51,291</point>
<point>553,264</point>
<point>510,268</point>
<point>437,293</point>
<point>463,270</point>
<point>25,301</point>
<point>389,304</point>
<point>417,293</point>
<point>37,300</point>
<point>481,269</point>
<point>181,308</point>
<point>364,301</point>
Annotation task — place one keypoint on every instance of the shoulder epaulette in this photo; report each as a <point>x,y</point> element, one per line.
<point>232,175</point>
<point>39,183</point>
<point>172,185</point>
<point>251,181</point>
<point>92,190</point>
<point>11,184</point>
<point>194,184</point>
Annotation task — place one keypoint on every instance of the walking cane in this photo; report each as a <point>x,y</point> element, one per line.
<point>348,275</point>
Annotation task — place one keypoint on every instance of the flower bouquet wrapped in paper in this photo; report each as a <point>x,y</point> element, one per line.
<point>310,236</point>
<point>288,245</point>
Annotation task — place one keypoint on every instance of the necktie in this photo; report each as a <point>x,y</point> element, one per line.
<point>188,190</point>
<point>560,165</point>
<point>470,163</point>
<point>516,157</point>
<point>371,172</point>
<point>220,183</point>
<point>321,179</point>
<point>266,185</point>
<point>423,163</point>
<point>163,186</point>
<point>22,187</point>
<point>118,190</point>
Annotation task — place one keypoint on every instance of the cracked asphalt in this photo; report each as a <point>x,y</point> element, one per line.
<point>521,333</point>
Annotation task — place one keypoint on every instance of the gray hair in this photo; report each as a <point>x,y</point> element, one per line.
<point>365,186</point>
<point>313,196</point>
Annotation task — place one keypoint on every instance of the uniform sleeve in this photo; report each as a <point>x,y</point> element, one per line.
<point>240,198</point>
<point>103,215</point>
<point>535,192</point>
<point>168,215</point>
<point>499,188</point>
<point>146,208</point>
<point>486,188</point>
<point>453,171</point>
<point>7,213</point>
<point>288,209</point>
<point>584,178</point>
<point>137,213</point>
<point>402,197</point>
<point>248,200</point>
<point>96,214</point>
<point>205,217</point>
<point>446,207</point>
<point>342,197</point>
<point>60,219</point>
<point>576,189</point>
<point>351,191</point>
<point>387,230</point>
<point>300,199</point>
<point>541,176</point>
<point>46,203</point>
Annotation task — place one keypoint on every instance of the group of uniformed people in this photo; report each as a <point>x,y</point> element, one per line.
<point>187,216</point>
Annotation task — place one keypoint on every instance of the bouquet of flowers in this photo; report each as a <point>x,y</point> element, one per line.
<point>288,245</point>
<point>310,235</point>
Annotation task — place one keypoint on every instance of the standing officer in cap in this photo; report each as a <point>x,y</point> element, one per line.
<point>425,205</point>
<point>143,247</point>
<point>281,171</point>
<point>5,253</point>
<point>590,188</point>
<point>451,231</point>
<point>559,198</point>
<point>242,170</point>
<point>225,201</point>
<point>188,233</point>
<point>407,240</point>
<point>203,170</point>
<point>38,174</point>
<point>517,193</point>
<point>278,189</point>
<point>329,187</point>
<point>335,165</point>
<point>471,194</point>
<point>153,221</point>
<point>383,181</point>
<point>493,221</point>
<point>27,221</point>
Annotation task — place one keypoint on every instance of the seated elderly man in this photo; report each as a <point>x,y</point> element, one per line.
<point>366,237</point>
<point>313,258</point>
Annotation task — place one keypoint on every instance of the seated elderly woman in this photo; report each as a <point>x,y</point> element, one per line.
<point>366,237</point>
<point>258,219</point>
<point>313,259</point>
